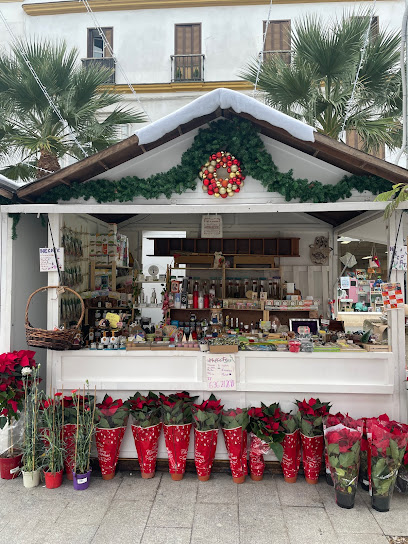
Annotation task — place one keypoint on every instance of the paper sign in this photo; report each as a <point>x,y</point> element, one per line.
<point>220,370</point>
<point>345,282</point>
<point>392,296</point>
<point>400,257</point>
<point>211,226</point>
<point>47,259</point>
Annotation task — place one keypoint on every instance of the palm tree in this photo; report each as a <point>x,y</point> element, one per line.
<point>31,134</point>
<point>316,87</point>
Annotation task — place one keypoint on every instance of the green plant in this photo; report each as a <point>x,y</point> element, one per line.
<point>310,416</point>
<point>176,408</point>
<point>31,442</point>
<point>234,418</point>
<point>145,410</point>
<point>111,413</point>
<point>84,431</point>
<point>51,422</point>
<point>265,423</point>
<point>207,415</point>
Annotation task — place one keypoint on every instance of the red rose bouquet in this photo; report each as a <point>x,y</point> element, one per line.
<point>14,366</point>
<point>310,418</point>
<point>207,417</point>
<point>146,429</point>
<point>51,435</point>
<point>291,447</point>
<point>330,421</point>
<point>177,420</point>
<point>266,433</point>
<point>402,479</point>
<point>111,418</point>
<point>234,425</point>
<point>387,443</point>
<point>343,448</point>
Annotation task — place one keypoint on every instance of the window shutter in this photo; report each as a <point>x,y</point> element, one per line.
<point>278,38</point>
<point>89,47</point>
<point>109,37</point>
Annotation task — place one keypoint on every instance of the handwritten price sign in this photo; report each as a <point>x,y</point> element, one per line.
<point>220,370</point>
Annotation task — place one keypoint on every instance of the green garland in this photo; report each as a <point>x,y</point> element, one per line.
<point>241,138</point>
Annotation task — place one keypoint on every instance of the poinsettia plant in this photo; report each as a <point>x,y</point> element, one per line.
<point>207,415</point>
<point>234,418</point>
<point>343,448</point>
<point>13,367</point>
<point>110,413</point>
<point>69,406</point>
<point>289,422</point>
<point>176,408</point>
<point>265,423</point>
<point>145,409</point>
<point>310,416</point>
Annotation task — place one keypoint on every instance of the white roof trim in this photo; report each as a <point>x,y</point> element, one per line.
<point>9,183</point>
<point>224,99</point>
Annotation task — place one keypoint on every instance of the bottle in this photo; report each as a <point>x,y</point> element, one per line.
<point>241,326</point>
<point>255,285</point>
<point>153,298</point>
<point>200,301</point>
<point>246,287</point>
<point>236,323</point>
<point>230,289</point>
<point>206,300</point>
<point>270,289</point>
<point>237,288</point>
<point>91,335</point>
<point>227,320</point>
<point>195,295</point>
<point>212,292</point>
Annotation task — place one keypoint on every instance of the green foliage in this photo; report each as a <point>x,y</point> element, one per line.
<point>232,419</point>
<point>397,195</point>
<point>31,441</point>
<point>241,138</point>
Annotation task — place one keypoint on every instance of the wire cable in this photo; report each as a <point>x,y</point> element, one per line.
<point>263,49</point>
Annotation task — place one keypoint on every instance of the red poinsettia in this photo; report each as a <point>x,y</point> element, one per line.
<point>265,423</point>
<point>310,416</point>
<point>145,409</point>
<point>176,408</point>
<point>111,413</point>
<point>207,415</point>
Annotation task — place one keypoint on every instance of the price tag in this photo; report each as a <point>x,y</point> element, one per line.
<point>47,259</point>
<point>220,370</point>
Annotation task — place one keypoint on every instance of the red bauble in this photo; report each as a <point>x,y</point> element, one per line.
<point>229,157</point>
<point>214,156</point>
<point>224,195</point>
<point>235,161</point>
<point>210,192</point>
<point>229,163</point>
<point>218,155</point>
<point>206,172</point>
<point>242,177</point>
<point>218,165</point>
<point>210,176</point>
<point>216,190</point>
<point>237,181</point>
<point>229,170</point>
<point>206,182</point>
<point>237,190</point>
<point>224,159</point>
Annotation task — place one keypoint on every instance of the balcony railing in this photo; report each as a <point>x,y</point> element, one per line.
<point>187,68</point>
<point>105,62</point>
<point>284,54</point>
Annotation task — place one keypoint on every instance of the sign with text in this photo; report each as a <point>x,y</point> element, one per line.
<point>47,259</point>
<point>211,226</point>
<point>220,371</point>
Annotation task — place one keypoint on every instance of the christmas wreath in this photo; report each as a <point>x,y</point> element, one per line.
<point>226,165</point>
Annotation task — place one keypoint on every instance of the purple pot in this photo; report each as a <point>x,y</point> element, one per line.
<point>81,481</point>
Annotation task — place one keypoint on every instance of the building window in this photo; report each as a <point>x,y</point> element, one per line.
<point>96,49</point>
<point>354,140</point>
<point>187,61</point>
<point>278,40</point>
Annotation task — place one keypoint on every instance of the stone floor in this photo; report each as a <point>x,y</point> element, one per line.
<point>160,511</point>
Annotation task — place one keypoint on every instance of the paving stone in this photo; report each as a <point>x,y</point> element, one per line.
<point>394,522</point>
<point>363,539</point>
<point>184,489</point>
<point>171,513</point>
<point>220,488</point>
<point>259,513</point>
<point>264,491</point>
<point>299,493</point>
<point>215,523</point>
<point>74,534</point>
<point>121,533</point>
<point>307,525</point>
<point>134,487</point>
<point>161,535</point>
<point>83,513</point>
<point>258,535</point>
<point>123,512</point>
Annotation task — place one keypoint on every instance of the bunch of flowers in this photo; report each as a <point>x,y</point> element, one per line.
<point>176,408</point>
<point>291,446</point>
<point>14,366</point>
<point>234,418</point>
<point>310,416</point>
<point>265,423</point>
<point>31,443</point>
<point>85,428</point>
<point>145,410</point>
<point>402,479</point>
<point>289,422</point>
<point>51,424</point>
<point>111,413</point>
<point>207,415</point>
<point>343,449</point>
<point>69,405</point>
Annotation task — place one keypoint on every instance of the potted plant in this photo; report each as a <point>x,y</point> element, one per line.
<point>51,435</point>
<point>146,430</point>
<point>111,418</point>
<point>85,428</point>
<point>402,478</point>
<point>31,443</point>
<point>310,419</point>
<point>330,421</point>
<point>177,421</point>
<point>207,417</point>
<point>343,449</point>
<point>13,366</point>
<point>291,447</point>
<point>387,445</point>
<point>234,423</point>
<point>266,433</point>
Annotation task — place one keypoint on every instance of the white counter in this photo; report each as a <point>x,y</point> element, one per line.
<point>361,384</point>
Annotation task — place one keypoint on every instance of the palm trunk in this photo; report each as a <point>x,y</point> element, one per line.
<point>47,161</point>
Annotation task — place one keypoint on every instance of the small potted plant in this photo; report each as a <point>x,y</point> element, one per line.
<point>146,430</point>
<point>111,418</point>
<point>177,420</point>
<point>291,447</point>
<point>51,435</point>
<point>234,423</point>
<point>310,418</point>
<point>85,428</point>
<point>31,442</point>
<point>402,478</point>
<point>13,366</point>
<point>207,417</point>
<point>330,421</point>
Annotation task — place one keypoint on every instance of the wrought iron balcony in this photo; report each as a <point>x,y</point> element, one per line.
<point>105,62</point>
<point>187,68</point>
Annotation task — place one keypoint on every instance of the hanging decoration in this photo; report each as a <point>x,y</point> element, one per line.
<point>222,175</point>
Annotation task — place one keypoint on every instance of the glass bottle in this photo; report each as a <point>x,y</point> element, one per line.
<point>237,288</point>
<point>230,290</point>
<point>254,285</point>
<point>195,294</point>
<point>246,287</point>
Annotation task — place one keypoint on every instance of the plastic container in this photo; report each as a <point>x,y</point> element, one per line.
<point>294,346</point>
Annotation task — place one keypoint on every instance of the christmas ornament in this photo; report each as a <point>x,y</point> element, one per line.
<point>224,171</point>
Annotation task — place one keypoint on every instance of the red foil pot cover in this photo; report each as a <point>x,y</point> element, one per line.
<point>146,442</point>
<point>205,444</point>
<point>291,454</point>
<point>257,450</point>
<point>313,447</point>
<point>177,438</point>
<point>69,444</point>
<point>236,444</point>
<point>108,442</point>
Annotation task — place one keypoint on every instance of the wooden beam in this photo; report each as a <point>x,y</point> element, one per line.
<point>6,193</point>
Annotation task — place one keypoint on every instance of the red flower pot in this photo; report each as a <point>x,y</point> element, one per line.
<point>177,438</point>
<point>53,479</point>
<point>69,434</point>
<point>146,442</point>
<point>108,442</point>
<point>10,466</point>
<point>291,456</point>
<point>205,444</point>
<point>236,444</point>
<point>257,450</point>
<point>312,455</point>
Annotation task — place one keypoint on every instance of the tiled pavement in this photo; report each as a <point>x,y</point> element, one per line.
<point>160,511</point>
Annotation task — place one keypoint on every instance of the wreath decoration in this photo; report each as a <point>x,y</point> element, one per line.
<point>226,165</point>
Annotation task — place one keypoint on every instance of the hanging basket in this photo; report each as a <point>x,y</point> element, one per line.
<point>58,340</point>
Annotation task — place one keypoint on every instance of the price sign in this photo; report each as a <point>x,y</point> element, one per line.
<point>211,226</point>
<point>47,259</point>
<point>220,370</point>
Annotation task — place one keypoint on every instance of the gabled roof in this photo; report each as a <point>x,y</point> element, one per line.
<point>8,187</point>
<point>220,103</point>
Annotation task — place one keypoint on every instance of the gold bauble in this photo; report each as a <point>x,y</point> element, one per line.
<point>231,193</point>
<point>217,194</point>
<point>234,168</point>
<point>242,184</point>
<point>223,190</point>
<point>205,188</point>
<point>229,186</point>
<point>200,174</point>
<point>213,163</point>
<point>207,164</point>
<point>234,186</point>
<point>211,169</point>
<point>218,183</point>
<point>233,175</point>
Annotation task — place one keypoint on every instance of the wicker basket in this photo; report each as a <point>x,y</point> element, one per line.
<point>58,340</point>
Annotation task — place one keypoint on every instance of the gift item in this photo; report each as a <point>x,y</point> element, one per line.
<point>108,442</point>
<point>291,447</point>
<point>330,421</point>
<point>258,448</point>
<point>234,424</point>
<point>206,417</point>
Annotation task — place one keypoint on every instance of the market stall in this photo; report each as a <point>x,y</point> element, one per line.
<point>258,289</point>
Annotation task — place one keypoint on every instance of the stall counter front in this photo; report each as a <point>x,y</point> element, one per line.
<point>361,384</point>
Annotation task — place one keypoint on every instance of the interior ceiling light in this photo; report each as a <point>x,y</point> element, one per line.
<point>347,239</point>
<point>368,257</point>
